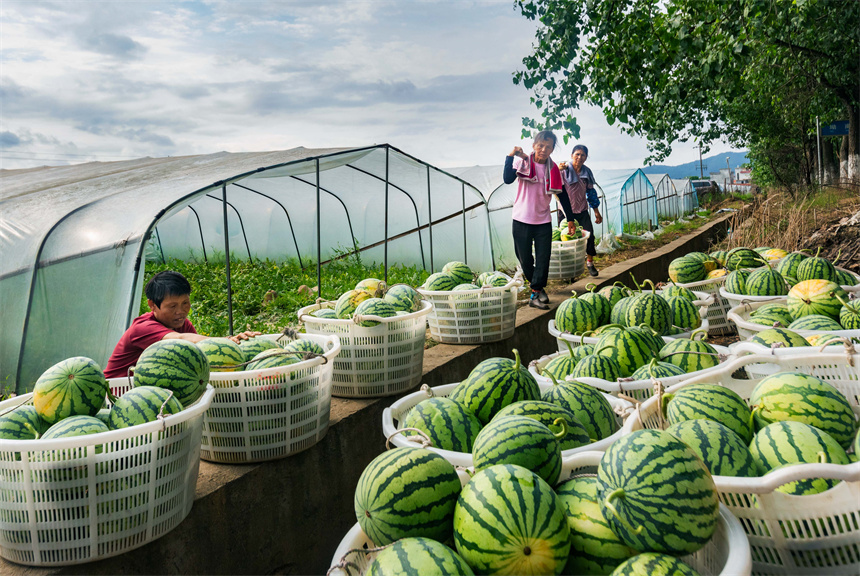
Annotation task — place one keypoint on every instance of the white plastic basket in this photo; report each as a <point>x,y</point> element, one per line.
<point>259,415</point>
<point>740,315</point>
<point>567,259</point>
<point>393,416</point>
<point>791,535</point>
<point>638,389</point>
<point>74,500</point>
<point>718,323</point>
<point>487,314</point>
<point>377,361</point>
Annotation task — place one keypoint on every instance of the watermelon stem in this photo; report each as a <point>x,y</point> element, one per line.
<point>591,286</point>
<point>664,404</point>
<point>653,287</point>
<point>619,493</point>
<point>638,288</point>
<point>551,376</point>
<point>563,423</point>
<point>517,361</point>
<point>851,309</point>
<point>569,348</point>
<point>822,457</point>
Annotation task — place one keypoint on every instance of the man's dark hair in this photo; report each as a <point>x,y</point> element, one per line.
<point>579,147</point>
<point>164,284</point>
<point>546,135</point>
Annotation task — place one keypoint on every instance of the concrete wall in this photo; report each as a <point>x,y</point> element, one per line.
<point>288,516</point>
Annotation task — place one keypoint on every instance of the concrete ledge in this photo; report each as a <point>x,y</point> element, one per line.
<point>288,516</point>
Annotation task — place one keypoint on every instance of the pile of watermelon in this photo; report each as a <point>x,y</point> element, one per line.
<point>373,297</point>
<point>256,353</point>
<point>561,233</point>
<point>457,276</point>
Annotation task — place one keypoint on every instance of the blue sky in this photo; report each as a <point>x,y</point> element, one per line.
<point>111,80</point>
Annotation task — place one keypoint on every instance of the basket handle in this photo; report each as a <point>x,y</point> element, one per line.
<point>772,481</point>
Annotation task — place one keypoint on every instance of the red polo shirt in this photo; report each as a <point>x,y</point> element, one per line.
<point>145,331</point>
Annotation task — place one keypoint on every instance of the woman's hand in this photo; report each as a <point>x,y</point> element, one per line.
<point>597,217</point>
<point>244,336</point>
<point>518,152</point>
<point>562,166</point>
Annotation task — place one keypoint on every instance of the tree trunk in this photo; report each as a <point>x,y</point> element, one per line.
<point>829,162</point>
<point>852,166</point>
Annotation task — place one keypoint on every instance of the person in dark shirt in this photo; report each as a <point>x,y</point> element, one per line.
<point>579,184</point>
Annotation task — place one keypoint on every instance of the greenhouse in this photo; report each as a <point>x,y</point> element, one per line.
<point>75,239</point>
<point>668,202</point>
<point>688,198</point>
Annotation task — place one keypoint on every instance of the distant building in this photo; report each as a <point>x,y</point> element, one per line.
<point>743,175</point>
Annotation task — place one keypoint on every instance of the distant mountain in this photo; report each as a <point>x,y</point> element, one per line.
<point>712,163</point>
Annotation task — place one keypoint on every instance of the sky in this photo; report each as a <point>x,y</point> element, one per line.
<point>84,81</point>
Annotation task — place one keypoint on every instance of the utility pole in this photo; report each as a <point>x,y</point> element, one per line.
<point>818,139</point>
<point>701,168</point>
<point>729,168</point>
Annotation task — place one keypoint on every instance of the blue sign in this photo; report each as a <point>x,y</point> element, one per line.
<point>838,128</point>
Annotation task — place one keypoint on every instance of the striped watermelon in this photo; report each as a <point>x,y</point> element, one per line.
<point>446,422</point>
<point>373,286</point>
<point>736,282</point>
<point>784,336</point>
<point>766,281</point>
<point>657,495</point>
<point>104,416</point>
<point>849,314</point>
<point>575,316</point>
<point>816,297</point>
<point>75,426</point>
<point>844,278</point>
<point>497,280</point>
<point>493,384</point>
<point>349,301</point>
<point>651,310</point>
<point>419,556</point>
<point>652,339</point>
<point>403,297</point>
<point>762,249</point>
<point>175,364</point>
<point>253,346</point>
<point>547,414</point>
<point>459,271</point>
<point>719,256</point>
<point>602,308</point>
<point>788,442</point>
<point>614,293</point>
<point>304,345</point>
<point>655,369</point>
<point>440,282</point>
<point>520,440</point>
<point>618,316</point>
<point>407,492</point>
<point>815,322</point>
<point>461,287</point>
<point>684,270</point>
<point>223,354</point>
<point>528,533</point>
<point>816,268</point>
<point>654,564</point>
<point>690,354</point>
<point>738,258</point>
<point>143,404</point>
<point>597,366</point>
<point>272,358</point>
<point>374,307</point>
<point>824,339</point>
<point>770,319</point>
<point>722,451</point>
<point>628,347</point>
<point>74,386</point>
<point>776,312</point>
<point>684,313</point>
<point>594,547</point>
<point>803,398</point>
<point>788,265</point>
<point>324,313</point>
<point>563,364</point>
<point>22,423</point>
<point>718,273</point>
<point>698,256</point>
<point>588,405</point>
<point>774,254</point>
<point>556,235</point>
<point>673,290</point>
<point>711,402</point>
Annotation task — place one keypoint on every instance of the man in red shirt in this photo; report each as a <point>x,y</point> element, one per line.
<point>168,294</point>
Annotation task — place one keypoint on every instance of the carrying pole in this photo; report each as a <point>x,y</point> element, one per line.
<point>818,138</point>
<point>319,235</point>
<point>227,261</point>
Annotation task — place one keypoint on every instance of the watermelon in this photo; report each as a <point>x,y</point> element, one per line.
<point>446,422</point>
<point>657,494</point>
<point>493,384</point>
<point>736,282</point>
<point>575,316</point>
<point>143,404</point>
<point>804,398</point>
<point>373,307</point>
<point>673,290</point>
<point>651,310</point>
<point>509,521</point>
<point>459,271</point>
<point>628,347</point>
<point>770,313</point>
<point>652,339</point>
<point>698,256</point>
<point>769,319</point>
<point>618,316</point>
<point>849,314</point>
<point>685,270</point>
<point>738,258</point>
<point>419,556</point>
<point>223,354</point>
<point>594,548</point>
<point>177,365</point>
<point>104,416</point>
<point>657,370</point>
<point>815,322</point>
<point>75,426</point>
<point>602,308</point>
<point>614,293</point>
<point>324,313</point>
<point>461,287</point>
<point>556,235</point>
<point>403,298</point>
<point>691,355</point>
<point>373,286</point>
<point>597,366</point>
<point>816,297</point>
<point>788,442</point>
<point>349,301</point>
<point>253,346</point>
<point>722,451</point>
<point>22,423</point>
<point>773,254</point>
<point>588,405</point>
<point>766,281</point>
<point>74,386</point>
<point>520,440</point>
<point>824,340</point>
<point>548,414</point>
<point>304,345</point>
<point>788,265</point>
<point>272,358</point>
<point>407,492</point>
<point>718,273</point>
<point>440,282</point>
<point>844,278</point>
<point>816,268</point>
<point>719,256</point>
<point>654,564</point>
<point>684,313</point>
<point>784,336</point>
<point>711,402</point>
<point>563,364</point>
<point>496,280</point>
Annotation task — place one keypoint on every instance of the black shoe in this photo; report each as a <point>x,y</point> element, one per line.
<point>591,269</point>
<point>534,302</point>
<point>544,299</point>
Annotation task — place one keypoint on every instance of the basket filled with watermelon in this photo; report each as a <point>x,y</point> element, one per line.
<point>567,255</point>
<point>461,421</point>
<point>515,518</point>
<point>469,309</point>
<point>272,396</point>
<point>382,331</point>
<point>85,472</point>
<point>782,449</point>
<point>630,361</point>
